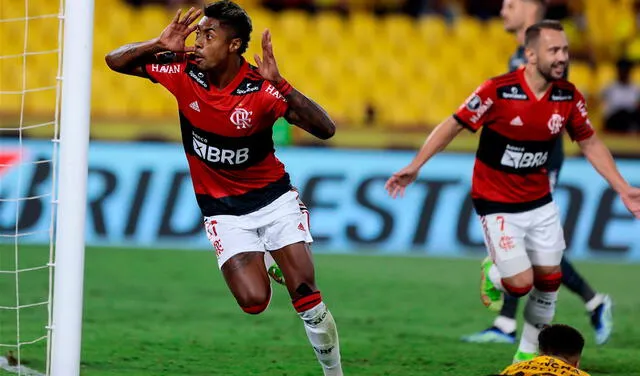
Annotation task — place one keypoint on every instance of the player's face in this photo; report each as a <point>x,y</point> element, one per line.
<point>512,14</point>
<point>552,54</point>
<point>213,44</point>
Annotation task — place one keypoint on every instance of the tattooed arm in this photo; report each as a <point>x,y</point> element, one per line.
<point>130,59</point>
<point>309,116</point>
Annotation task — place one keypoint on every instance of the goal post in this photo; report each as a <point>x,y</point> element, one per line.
<point>66,328</point>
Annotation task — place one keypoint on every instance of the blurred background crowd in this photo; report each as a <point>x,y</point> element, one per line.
<point>386,70</point>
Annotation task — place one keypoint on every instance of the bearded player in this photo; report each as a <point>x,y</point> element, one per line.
<point>227,109</point>
<point>522,114</point>
<point>518,15</point>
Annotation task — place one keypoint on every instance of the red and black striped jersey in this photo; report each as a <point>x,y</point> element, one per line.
<point>518,134</point>
<point>227,136</point>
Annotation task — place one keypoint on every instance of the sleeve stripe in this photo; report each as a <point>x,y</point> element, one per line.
<point>464,124</point>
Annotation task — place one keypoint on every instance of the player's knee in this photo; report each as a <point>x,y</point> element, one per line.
<point>518,285</point>
<point>307,298</point>
<point>548,282</point>
<point>255,302</point>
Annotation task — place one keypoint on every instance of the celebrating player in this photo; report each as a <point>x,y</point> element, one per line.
<point>560,351</point>
<point>227,109</point>
<point>518,15</point>
<point>523,114</point>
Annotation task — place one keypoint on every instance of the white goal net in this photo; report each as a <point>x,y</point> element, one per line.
<point>31,88</point>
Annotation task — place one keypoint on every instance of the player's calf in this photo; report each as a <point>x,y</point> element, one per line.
<point>254,304</point>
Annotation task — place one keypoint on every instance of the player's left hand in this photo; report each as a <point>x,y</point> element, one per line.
<point>267,66</point>
<point>631,199</point>
<point>397,183</point>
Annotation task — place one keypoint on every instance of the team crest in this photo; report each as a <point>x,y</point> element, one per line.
<point>241,118</point>
<point>555,123</point>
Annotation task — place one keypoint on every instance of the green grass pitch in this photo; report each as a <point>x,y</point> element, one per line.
<point>169,313</point>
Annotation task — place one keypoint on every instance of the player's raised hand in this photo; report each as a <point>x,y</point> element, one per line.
<point>267,66</point>
<point>400,180</point>
<point>174,35</point>
<point>631,199</point>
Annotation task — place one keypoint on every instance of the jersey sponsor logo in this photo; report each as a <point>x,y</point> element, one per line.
<point>560,95</point>
<point>241,117</point>
<point>582,107</point>
<point>474,102</point>
<point>170,69</point>
<point>194,106</point>
<point>518,157</point>
<point>513,92</point>
<point>481,110</point>
<point>516,121</point>
<point>247,86</point>
<point>197,76</point>
<point>555,123</point>
<point>217,155</point>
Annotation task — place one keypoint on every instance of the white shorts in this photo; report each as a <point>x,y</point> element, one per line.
<point>283,222</point>
<point>515,241</point>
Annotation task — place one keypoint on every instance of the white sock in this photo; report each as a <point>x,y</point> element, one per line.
<point>538,312</point>
<point>506,324</point>
<point>323,335</point>
<point>592,304</point>
<point>268,260</point>
<point>496,279</point>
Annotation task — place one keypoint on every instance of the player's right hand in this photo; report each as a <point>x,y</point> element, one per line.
<point>631,199</point>
<point>400,180</point>
<point>174,35</point>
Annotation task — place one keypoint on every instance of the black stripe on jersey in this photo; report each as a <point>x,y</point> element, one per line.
<point>561,94</point>
<point>248,86</point>
<point>244,203</point>
<point>197,75</point>
<point>225,153</point>
<point>513,156</point>
<point>486,207</point>
<point>513,92</point>
<point>464,124</point>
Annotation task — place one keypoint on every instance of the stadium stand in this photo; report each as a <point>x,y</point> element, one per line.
<point>410,72</point>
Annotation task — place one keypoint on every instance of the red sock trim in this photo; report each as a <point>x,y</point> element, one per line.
<point>307,302</point>
<point>284,87</point>
<point>516,291</point>
<point>254,310</point>
<point>548,282</point>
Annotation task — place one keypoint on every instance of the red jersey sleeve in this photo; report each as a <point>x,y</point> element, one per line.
<point>167,75</point>
<point>476,110</point>
<point>273,102</point>
<point>579,126</point>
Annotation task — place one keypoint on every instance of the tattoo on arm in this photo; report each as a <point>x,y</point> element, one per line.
<point>309,116</point>
<point>131,57</point>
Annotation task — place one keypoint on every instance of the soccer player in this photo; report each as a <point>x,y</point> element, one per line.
<point>227,109</point>
<point>522,114</point>
<point>560,351</point>
<point>518,15</point>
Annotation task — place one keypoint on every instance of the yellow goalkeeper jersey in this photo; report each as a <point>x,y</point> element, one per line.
<point>543,366</point>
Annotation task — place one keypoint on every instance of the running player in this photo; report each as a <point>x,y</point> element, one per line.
<point>560,352</point>
<point>518,15</point>
<point>523,114</point>
<point>227,109</point>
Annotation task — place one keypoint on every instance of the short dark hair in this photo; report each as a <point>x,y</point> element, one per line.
<point>232,15</point>
<point>560,340</point>
<point>532,34</point>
